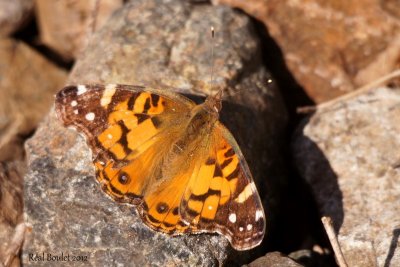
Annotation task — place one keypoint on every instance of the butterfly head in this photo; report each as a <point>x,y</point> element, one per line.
<point>213,103</point>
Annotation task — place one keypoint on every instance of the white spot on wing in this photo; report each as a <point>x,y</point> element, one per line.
<point>232,217</point>
<point>107,95</point>
<point>74,103</point>
<point>81,89</point>
<point>90,116</point>
<point>241,229</point>
<point>109,136</point>
<point>210,207</point>
<point>76,111</point>
<point>259,214</point>
<point>249,227</point>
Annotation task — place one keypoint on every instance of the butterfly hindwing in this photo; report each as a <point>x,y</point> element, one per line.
<point>222,197</point>
<point>160,208</point>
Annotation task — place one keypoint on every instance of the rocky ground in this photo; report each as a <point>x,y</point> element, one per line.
<point>317,145</point>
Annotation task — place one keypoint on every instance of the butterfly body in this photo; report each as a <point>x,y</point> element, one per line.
<point>171,158</point>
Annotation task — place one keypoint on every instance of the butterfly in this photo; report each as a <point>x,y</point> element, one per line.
<point>171,158</point>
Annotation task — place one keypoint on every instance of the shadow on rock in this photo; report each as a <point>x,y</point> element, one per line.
<point>315,168</point>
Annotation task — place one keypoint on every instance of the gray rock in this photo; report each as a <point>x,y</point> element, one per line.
<point>163,44</point>
<point>349,154</point>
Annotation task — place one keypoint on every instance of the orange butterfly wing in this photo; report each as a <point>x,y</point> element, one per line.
<point>133,133</point>
<point>221,197</point>
<point>128,129</point>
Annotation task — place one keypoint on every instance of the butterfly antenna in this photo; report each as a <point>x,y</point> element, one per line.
<point>218,95</point>
<point>212,58</point>
<point>213,101</point>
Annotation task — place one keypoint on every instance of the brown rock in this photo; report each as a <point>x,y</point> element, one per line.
<point>11,174</point>
<point>13,15</point>
<point>349,154</point>
<point>66,207</point>
<point>27,85</point>
<point>331,47</point>
<point>11,181</point>
<point>65,26</point>
<point>6,232</point>
<point>392,7</point>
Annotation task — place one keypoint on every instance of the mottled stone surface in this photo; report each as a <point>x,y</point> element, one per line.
<point>331,46</point>
<point>349,154</point>
<point>162,44</point>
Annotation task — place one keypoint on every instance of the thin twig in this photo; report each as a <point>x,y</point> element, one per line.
<point>16,244</point>
<point>352,94</point>
<point>327,222</point>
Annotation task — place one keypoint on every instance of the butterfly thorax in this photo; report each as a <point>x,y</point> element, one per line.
<point>198,128</point>
<point>203,118</point>
<point>193,140</point>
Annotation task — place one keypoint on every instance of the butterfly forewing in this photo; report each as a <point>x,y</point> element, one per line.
<point>179,187</point>
<point>127,128</point>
